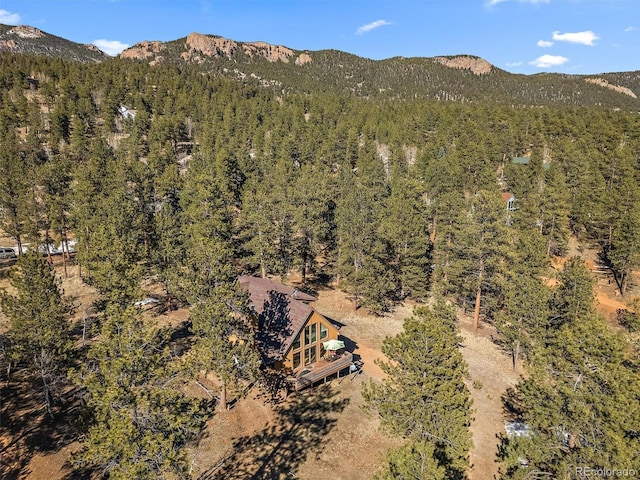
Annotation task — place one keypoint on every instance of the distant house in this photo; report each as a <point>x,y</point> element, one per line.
<point>510,200</point>
<point>290,333</point>
<point>521,160</point>
<point>33,83</point>
<point>126,113</point>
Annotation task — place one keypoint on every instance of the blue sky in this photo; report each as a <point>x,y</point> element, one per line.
<point>520,36</point>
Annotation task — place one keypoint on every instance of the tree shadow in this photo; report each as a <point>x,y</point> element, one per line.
<point>299,428</point>
<point>275,325</point>
<point>28,430</point>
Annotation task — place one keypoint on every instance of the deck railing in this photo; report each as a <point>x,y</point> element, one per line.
<point>321,370</point>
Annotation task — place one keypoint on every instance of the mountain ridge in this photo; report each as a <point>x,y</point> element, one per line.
<point>208,49</point>
<point>31,40</point>
<point>461,78</point>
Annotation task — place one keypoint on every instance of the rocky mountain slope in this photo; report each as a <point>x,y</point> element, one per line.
<point>25,39</point>
<point>461,78</point>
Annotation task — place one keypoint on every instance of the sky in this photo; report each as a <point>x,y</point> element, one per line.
<point>520,36</point>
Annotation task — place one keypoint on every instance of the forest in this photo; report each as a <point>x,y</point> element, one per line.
<point>165,175</point>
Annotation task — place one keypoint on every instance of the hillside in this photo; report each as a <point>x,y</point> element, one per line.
<point>461,78</point>
<point>30,40</point>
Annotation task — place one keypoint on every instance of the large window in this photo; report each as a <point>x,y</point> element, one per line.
<point>324,331</point>
<point>310,355</point>
<point>296,360</point>
<point>310,333</point>
<point>307,341</point>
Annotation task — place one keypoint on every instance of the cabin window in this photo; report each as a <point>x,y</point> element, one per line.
<point>310,355</point>
<point>296,342</point>
<point>310,334</point>
<point>324,331</point>
<point>296,360</point>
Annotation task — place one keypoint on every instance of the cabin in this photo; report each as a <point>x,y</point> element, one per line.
<point>33,83</point>
<point>126,113</point>
<point>521,160</point>
<point>510,199</point>
<point>290,334</point>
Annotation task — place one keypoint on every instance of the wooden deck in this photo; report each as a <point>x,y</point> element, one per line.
<point>321,370</point>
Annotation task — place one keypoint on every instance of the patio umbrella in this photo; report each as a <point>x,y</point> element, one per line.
<point>333,344</point>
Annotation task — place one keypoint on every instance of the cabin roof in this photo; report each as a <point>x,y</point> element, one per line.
<point>282,313</point>
<point>507,196</point>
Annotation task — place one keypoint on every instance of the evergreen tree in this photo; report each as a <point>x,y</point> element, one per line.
<point>523,320</point>
<point>269,216</point>
<point>106,217</point>
<point>39,333</point>
<point>14,187</point>
<point>578,381</point>
<point>624,253</point>
<point>312,215</point>
<point>525,317</point>
<point>140,421</point>
<point>424,398</point>
<point>363,255</point>
<point>573,299</point>
<point>414,460</point>
<point>476,249</point>
<point>218,310</point>
<point>405,227</point>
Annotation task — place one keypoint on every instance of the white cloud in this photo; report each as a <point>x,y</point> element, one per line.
<point>513,64</point>
<point>629,29</point>
<point>9,18</point>
<point>584,38</point>
<point>112,47</point>
<point>546,61</point>
<point>370,26</point>
<point>544,43</point>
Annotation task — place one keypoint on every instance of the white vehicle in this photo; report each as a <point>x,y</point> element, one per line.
<point>146,301</point>
<point>7,252</point>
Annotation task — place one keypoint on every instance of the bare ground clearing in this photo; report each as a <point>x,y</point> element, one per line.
<point>314,434</point>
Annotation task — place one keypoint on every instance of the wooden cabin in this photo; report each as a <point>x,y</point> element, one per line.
<point>290,333</point>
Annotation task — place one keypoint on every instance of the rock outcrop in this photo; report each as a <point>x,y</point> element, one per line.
<point>200,46</point>
<point>144,50</point>
<point>25,31</point>
<point>464,62</point>
<point>616,88</point>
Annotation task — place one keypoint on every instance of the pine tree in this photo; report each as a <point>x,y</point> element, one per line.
<point>624,253</point>
<point>218,310</point>
<point>424,398</point>
<point>140,421</point>
<point>580,397</point>
<point>405,226</point>
<point>106,218</point>
<point>573,298</point>
<point>39,333</point>
<point>311,215</point>
<point>414,460</point>
<point>363,255</point>
<point>524,318</point>
<point>14,187</point>
<point>475,250</point>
